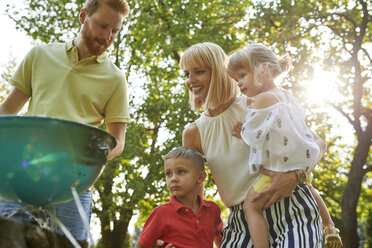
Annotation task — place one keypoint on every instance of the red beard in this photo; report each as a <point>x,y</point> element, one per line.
<point>92,43</point>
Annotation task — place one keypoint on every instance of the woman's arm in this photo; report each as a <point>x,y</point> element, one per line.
<point>191,137</point>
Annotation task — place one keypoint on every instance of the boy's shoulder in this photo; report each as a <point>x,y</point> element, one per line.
<point>211,204</point>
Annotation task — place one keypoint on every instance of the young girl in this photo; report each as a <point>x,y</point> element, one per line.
<point>275,130</point>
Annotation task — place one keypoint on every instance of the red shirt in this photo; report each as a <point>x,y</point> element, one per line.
<point>176,224</point>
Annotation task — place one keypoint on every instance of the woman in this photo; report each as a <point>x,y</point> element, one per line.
<point>292,213</point>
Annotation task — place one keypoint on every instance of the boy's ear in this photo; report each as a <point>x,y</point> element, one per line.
<point>202,176</point>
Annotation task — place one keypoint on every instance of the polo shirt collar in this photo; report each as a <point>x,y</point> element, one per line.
<point>100,59</point>
<point>177,205</point>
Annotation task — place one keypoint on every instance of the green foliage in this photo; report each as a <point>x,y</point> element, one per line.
<point>47,21</point>
<point>5,78</point>
<point>331,33</point>
<point>368,227</point>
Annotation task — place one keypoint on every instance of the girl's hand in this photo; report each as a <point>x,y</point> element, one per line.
<point>237,129</point>
<point>250,101</point>
<point>283,184</point>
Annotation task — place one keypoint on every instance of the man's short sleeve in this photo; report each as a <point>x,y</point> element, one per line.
<point>23,75</point>
<point>117,107</point>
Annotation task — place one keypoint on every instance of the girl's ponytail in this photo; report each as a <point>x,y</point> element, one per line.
<point>285,63</point>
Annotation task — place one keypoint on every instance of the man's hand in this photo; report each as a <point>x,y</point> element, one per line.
<point>159,243</point>
<point>117,129</point>
<point>283,184</point>
<point>237,129</point>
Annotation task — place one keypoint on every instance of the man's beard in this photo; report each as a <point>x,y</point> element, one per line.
<point>91,42</point>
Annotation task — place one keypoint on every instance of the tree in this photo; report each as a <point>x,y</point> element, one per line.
<point>148,50</point>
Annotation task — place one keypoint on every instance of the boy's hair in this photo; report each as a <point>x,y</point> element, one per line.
<point>221,88</point>
<point>260,60</point>
<point>120,6</point>
<point>186,153</point>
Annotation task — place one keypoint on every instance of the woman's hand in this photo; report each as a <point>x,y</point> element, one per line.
<point>159,243</point>
<point>283,184</point>
<point>237,129</point>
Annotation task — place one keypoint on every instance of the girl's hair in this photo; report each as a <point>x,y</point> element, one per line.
<point>260,60</point>
<point>186,153</point>
<point>120,6</point>
<point>221,88</point>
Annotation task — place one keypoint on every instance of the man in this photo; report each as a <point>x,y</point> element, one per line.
<point>76,81</point>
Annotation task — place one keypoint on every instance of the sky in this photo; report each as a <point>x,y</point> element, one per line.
<point>14,43</point>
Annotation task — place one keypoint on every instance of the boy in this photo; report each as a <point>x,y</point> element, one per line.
<point>186,220</point>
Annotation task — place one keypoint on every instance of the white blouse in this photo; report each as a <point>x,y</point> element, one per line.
<point>227,156</point>
<point>278,137</point>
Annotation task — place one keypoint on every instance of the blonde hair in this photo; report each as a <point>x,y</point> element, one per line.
<point>260,60</point>
<point>186,153</point>
<point>120,6</point>
<point>221,88</point>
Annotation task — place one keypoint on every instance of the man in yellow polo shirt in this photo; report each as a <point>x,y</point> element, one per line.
<point>76,81</point>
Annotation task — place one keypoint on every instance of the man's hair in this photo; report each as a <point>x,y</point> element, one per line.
<point>120,6</point>
<point>222,87</point>
<point>186,153</point>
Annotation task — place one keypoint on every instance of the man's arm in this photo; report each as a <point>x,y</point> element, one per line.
<point>118,130</point>
<point>14,102</point>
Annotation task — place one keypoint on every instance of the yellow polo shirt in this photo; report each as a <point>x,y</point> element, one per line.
<point>87,91</point>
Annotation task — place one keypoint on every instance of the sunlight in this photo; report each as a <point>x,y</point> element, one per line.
<point>322,87</point>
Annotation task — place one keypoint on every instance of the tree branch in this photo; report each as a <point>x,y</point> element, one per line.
<point>368,169</point>
<point>339,35</point>
<point>357,128</point>
<point>367,113</point>
<point>340,15</point>
<point>363,26</point>
<point>366,53</point>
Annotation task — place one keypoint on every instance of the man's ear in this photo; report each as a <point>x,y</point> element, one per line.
<point>202,176</point>
<point>83,14</point>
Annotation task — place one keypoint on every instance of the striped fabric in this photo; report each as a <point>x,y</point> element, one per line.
<point>293,222</point>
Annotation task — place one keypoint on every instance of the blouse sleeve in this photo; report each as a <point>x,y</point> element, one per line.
<point>257,125</point>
